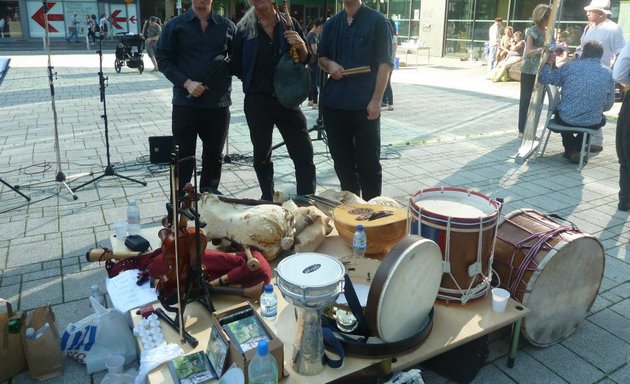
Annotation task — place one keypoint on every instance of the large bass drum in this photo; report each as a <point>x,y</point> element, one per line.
<point>554,269</point>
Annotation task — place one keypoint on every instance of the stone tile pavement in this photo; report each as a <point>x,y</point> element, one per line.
<point>450,127</point>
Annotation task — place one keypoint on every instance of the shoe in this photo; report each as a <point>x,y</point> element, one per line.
<point>383,104</point>
<point>566,155</point>
<point>390,107</point>
<point>575,158</point>
<point>315,106</point>
<point>624,205</point>
<point>596,148</point>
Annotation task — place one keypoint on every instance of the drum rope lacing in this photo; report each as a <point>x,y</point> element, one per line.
<point>471,292</point>
<point>541,240</point>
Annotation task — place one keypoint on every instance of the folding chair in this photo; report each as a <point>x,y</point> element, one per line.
<point>553,95</point>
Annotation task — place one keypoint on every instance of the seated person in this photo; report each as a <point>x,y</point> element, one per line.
<point>517,45</point>
<point>587,91</point>
<point>514,56</point>
<point>504,44</point>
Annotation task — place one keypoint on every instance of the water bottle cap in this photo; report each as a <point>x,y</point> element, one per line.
<point>262,347</point>
<point>132,201</point>
<point>30,332</point>
<point>359,227</point>
<point>268,288</point>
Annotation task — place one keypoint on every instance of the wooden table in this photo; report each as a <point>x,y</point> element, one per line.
<point>453,325</point>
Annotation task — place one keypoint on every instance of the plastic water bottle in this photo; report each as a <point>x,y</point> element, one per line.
<point>269,304</point>
<point>359,242</point>
<point>263,368</point>
<point>133,218</point>
<point>96,294</point>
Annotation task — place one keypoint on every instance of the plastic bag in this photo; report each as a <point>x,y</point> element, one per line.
<point>93,339</point>
<point>154,357</point>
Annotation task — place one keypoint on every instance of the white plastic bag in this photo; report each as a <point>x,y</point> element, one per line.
<point>93,339</point>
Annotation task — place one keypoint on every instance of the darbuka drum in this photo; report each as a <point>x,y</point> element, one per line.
<point>552,268</point>
<point>463,223</point>
<point>310,281</point>
<point>382,232</point>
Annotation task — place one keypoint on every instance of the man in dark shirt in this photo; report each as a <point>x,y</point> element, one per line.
<point>357,36</point>
<point>260,42</point>
<point>190,53</point>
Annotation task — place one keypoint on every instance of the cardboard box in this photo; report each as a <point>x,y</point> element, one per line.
<point>235,354</point>
<point>11,350</point>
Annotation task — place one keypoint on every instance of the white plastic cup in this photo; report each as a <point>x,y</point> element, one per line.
<point>120,228</point>
<point>115,364</point>
<point>499,299</point>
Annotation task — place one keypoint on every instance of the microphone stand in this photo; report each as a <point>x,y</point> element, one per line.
<point>15,189</point>
<point>109,169</point>
<point>60,177</point>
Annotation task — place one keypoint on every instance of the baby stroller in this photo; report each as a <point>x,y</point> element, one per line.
<point>129,51</point>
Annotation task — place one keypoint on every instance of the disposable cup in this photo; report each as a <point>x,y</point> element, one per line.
<point>499,299</point>
<point>115,364</point>
<point>120,228</point>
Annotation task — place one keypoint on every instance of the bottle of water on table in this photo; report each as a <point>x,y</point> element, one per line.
<point>359,242</point>
<point>263,368</point>
<point>269,304</point>
<point>133,218</point>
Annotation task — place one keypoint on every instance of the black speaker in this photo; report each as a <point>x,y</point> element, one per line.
<point>160,148</point>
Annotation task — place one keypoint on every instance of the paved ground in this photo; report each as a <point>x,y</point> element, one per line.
<point>451,127</point>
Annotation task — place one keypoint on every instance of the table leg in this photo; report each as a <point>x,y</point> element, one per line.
<point>516,334</point>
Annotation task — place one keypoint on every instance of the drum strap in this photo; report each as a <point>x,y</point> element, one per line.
<point>363,328</point>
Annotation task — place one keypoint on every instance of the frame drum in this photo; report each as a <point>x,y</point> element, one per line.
<point>553,269</point>
<point>404,289</point>
<point>463,223</point>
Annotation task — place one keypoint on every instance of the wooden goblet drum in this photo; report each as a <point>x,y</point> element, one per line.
<point>382,232</point>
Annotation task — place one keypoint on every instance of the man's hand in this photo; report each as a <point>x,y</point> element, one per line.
<point>374,109</point>
<point>194,88</point>
<point>334,70</point>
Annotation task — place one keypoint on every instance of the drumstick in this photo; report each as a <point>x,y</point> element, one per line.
<point>356,70</point>
<point>252,263</point>
<point>100,254</point>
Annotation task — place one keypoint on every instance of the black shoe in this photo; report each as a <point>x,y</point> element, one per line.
<point>624,205</point>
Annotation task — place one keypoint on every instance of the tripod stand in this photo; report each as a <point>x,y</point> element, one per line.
<point>109,169</point>
<point>319,123</point>
<point>15,190</point>
<point>60,177</point>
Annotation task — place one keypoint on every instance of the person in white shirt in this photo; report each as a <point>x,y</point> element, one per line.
<point>608,33</point>
<point>621,74</point>
<point>494,34</point>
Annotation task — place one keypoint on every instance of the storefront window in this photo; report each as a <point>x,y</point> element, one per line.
<point>10,19</point>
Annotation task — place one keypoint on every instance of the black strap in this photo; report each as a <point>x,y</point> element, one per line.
<point>333,343</point>
<point>363,328</point>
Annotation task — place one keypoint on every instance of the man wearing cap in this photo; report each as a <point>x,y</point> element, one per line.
<point>607,32</point>
<point>494,35</point>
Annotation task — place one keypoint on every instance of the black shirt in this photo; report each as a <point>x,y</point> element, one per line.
<point>184,52</point>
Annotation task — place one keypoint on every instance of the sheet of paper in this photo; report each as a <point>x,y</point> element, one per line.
<point>362,291</point>
<point>126,294</point>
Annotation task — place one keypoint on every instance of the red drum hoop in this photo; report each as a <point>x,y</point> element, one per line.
<point>463,223</point>
<point>555,270</point>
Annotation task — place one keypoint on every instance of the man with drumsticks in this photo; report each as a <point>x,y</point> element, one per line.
<point>260,42</point>
<point>351,100</point>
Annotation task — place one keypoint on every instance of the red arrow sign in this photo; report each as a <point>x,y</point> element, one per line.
<point>40,14</point>
<point>132,19</point>
<point>116,19</point>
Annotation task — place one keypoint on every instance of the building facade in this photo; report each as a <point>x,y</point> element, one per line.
<point>449,27</point>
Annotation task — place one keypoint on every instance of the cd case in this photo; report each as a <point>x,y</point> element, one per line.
<point>192,369</point>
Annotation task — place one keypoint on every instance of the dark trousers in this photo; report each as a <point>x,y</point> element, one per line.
<point>355,146</point>
<point>623,150</point>
<point>313,94</point>
<point>388,96</point>
<point>573,141</point>
<point>527,87</point>
<point>211,125</point>
<point>262,113</point>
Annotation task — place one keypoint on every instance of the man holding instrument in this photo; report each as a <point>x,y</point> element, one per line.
<point>191,53</point>
<point>263,37</point>
<point>351,99</point>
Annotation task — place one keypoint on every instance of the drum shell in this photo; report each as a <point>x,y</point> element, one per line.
<point>561,281</point>
<point>461,234</point>
<point>303,295</point>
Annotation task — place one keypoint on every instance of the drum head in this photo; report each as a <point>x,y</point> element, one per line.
<point>561,294</point>
<point>310,270</point>
<point>404,289</point>
<point>453,202</point>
